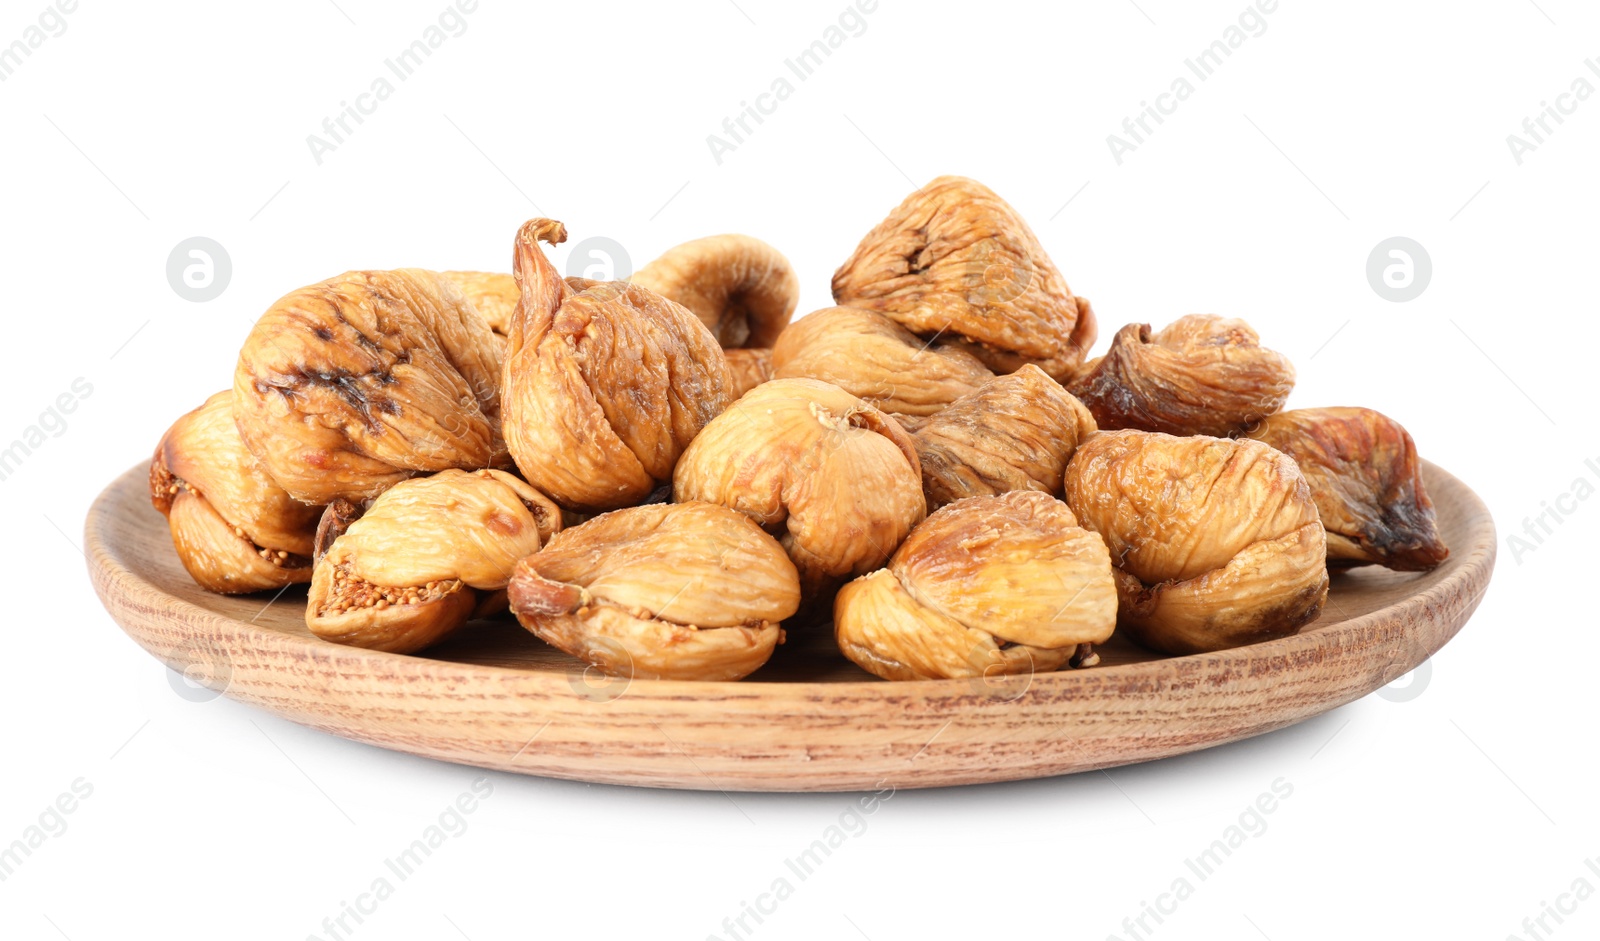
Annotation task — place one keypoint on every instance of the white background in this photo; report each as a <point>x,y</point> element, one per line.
<point>1456,813</point>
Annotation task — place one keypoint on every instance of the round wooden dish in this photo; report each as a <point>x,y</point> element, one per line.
<point>497,697</point>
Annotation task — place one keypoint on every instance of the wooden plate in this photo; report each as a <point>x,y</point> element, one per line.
<point>497,697</point>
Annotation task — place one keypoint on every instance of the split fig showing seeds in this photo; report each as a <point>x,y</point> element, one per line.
<point>740,287</point>
<point>837,481</point>
<point>988,585</point>
<point>1200,375</point>
<point>1365,477</point>
<point>678,591</point>
<point>351,385</point>
<point>605,382</point>
<point>956,262</point>
<point>235,530</point>
<point>1014,432</point>
<point>424,557</point>
<point>1216,542</point>
<point>872,357</point>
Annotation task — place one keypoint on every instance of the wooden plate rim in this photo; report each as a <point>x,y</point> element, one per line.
<point>1446,605</point>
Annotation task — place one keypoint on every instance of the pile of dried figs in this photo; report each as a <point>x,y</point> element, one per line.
<point>660,475</point>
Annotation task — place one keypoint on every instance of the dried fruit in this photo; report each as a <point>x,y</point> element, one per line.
<point>492,294</point>
<point>874,358</point>
<point>1014,432</point>
<point>748,369</point>
<point>834,478</point>
<point>425,556</point>
<point>348,386</point>
<point>605,382</point>
<point>235,530</point>
<point>740,287</point>
<point>988,585</point>
<point>955,261</point>
<point>1367,483</point>
<point>1216,542</point>
<point>679,591</point>
<point>1200,375</point>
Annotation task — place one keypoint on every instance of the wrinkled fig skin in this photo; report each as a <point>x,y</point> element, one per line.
<point>492,294</point>
<point>1014,432</point>
<point>426,556</point>
<point>349,386</point>
<point>740,287</point>
<point>235,530</point>
<point>882,629</point>
<point>873,358</point>
<point>956,261</point>
<point>677,591</point>
<point>1367,483</point>
<point>835,479</point>
<point>605,382</point>
<point>1217,543</point>
<point>748,369</point>
<point>1200,375</point>
<point>988,585</point>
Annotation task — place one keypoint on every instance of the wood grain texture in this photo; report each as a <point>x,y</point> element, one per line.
<point>497,697</point>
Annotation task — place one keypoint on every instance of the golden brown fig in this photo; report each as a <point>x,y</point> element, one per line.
<point>605,382</point>
<point>1216,542</point>
<point>1014,432</point>
<point>492,294</point>
<point>1200,375</point>
<point>871,357</point>
<point>988,585</point>
<point>740,287</point>
<point>235,530</point>
<point>837,480</point>
<point>678,591</point>
<point>955,261</point>
<point>748,369</point>
<point>428,553</point>
<point>1367,483</point>
<point>348,386</point>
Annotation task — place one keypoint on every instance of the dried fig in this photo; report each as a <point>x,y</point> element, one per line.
<point>988,585</point>
<point>423,557</point>
<point>492,294</point>
<point>748,369</point>
<point>834,478</point>
<point>351,385</point>
<point>678,591</point>
<point>1200,375</point>
<point>1014,432</point>
<point>1216,542</point>
<point>235,530</point>
<point>955,261</point>
<point>1364,476</point>
<point>740,287</point>
<point>872,357</point>
<point>605,382</point>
